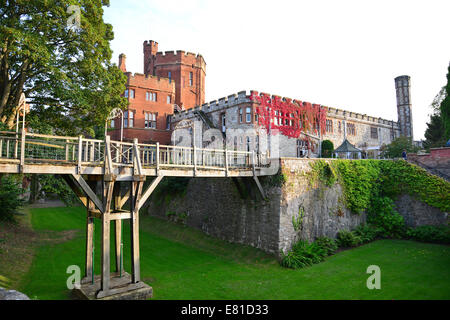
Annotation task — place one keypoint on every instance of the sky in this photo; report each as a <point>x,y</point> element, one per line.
<point>343,54</point>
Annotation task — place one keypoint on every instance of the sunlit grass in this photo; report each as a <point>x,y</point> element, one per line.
<point>182,263</point>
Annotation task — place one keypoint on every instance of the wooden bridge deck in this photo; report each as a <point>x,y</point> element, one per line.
<point>45,154</point>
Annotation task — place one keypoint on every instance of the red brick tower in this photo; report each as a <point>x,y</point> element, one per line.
<point>186,70</point>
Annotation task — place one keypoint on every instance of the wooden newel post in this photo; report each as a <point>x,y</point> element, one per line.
<point>22,150</point>
<point>157,159</point>
<point>226,161</point>
<point>80,153</point>
<point>253,162</point>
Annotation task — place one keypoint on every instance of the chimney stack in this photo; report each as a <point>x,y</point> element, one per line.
<point>122,62</point>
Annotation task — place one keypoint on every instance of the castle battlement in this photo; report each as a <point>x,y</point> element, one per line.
<point>179,54</point>
<point>242,97</point>
<point>141,76</point>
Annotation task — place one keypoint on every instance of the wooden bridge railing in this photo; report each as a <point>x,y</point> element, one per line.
<point>38,148</point>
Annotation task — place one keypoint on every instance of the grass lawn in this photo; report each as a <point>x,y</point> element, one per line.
<point>182,263</point>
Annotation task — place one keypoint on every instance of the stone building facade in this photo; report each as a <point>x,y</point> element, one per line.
<point>239,111</point>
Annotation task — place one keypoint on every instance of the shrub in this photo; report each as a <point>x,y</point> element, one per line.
<point>327,148</point>
<point>303,254</point>
<point>10,201</point>
<point>436,234</point>
<point>294,261</point>
<point>327,244</point>
<point>366,233</point>
<point>385,218</point>
<point>347,239</point>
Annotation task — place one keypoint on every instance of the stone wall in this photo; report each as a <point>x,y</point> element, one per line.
<point>417,213</point>
<point>216,207</point>
<point>436,162</point>
<point>323,209</point>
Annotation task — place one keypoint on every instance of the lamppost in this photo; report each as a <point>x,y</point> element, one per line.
<point>112,115</point>
<point>22,105</point>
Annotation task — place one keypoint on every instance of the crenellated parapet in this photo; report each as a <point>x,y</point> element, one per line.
<point>149,81</point>
<point>242,97</point>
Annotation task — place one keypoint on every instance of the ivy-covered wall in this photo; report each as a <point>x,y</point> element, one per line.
<point>307,199</point>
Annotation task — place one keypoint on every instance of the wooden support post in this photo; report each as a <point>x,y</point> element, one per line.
<point>89,266</point>
<point>157,158</point>
<point>253,163</point>
<point>106,223</point>
<point>137,165</point>
<point>136,191</point>
<point>118,229</point>
<point>67,150</point>
<point>108,158</point>
<point>80,154</point>
<point>226,161</point>
<point>22,151</point>
<point>195,158</point>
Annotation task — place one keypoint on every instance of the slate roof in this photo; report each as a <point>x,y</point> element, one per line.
<point>346,146</point>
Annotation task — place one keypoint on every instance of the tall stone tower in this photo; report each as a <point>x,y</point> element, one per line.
<point>402,88</point>
<point>185,69</point>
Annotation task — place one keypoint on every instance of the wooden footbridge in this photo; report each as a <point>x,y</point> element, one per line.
<point>121,168</point>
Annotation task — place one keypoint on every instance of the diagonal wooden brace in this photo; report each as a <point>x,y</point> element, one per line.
<point>88,191</point>
<point>148,192</point>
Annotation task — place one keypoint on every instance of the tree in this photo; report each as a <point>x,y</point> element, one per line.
<point>10,200</point>
<point>396,147</point>
<point>434,134</point>
<point>327,148</point>
<point>445,109</point>
<point>64,70</point>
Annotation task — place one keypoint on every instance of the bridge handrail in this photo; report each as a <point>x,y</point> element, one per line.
<point>40,148</point>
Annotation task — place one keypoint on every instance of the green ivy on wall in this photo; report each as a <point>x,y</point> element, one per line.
<point>371,186</point>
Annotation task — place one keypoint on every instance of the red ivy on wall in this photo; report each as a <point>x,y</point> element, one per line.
<point>289,117</point>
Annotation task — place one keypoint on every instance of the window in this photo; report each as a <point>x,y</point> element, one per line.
<point>223,117</point>
<point>351,130</point>
<point>248,114</point>
<point>169,75</point>
<point>373,133</point>
<point>329,126</point>
<point>169,99</point>
<point>150,96</point>
<point>128,119</point>
<point>126,93</point>
<point>131,119</point>
<point>150,120</point>
<point>125,119</point>
<point>112,123</point>
<point>248,144</point>
<point>240,115</point>
<point>129,93</point>
<point>340,130</point>
<point>191,79</point>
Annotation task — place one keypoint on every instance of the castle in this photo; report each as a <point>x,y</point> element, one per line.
<point>172,89</point>
<point>171,81</point>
